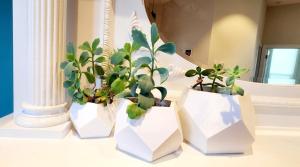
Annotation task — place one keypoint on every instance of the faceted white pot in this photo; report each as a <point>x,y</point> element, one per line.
<point>217,123</point>
<point>150,137</point>
<point>92,120</point>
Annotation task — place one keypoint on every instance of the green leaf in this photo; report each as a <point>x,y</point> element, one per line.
<point>164,74</point>
<point>198,69</point>
<point>163,92</point>
<point>117,58</point>
<point>71,57</point>
<point>127,47</point>
<point>238,90</point>
<point>207,72</point>
<point>85,46</point>
<point>134,111</point>
<point>154,34</point>
<point>98,51</point>
<point>145,83</point>
<point>88,92</point>
<point>78,95</point>
<point>133,90</point>
<point>191,73</point>
<point>142,60</point>
<point>63,64</point>
<point>95,43</point>
<point>135,46</point>
<point>99,70</point>
<point>69,69</point>
<point>112,77</point>
<point>68,84</point>
<point>168,47</point>
<point>100,59</point>
<point>90,77</point>
<point>118,86</point>
<point>70,49</point>
<point>140,38</point>
<point>230,81</point>
<point>146,102</point>
<point>71,91</point>
<point>84,57</point>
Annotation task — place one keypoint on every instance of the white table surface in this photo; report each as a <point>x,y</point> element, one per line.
<point>269,150</point>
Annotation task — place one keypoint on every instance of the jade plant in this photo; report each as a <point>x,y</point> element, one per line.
<point>216,76</point>
<point>138,74</point>
<point>89,64</point>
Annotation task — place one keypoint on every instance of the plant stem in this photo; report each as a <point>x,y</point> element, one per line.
<point>152,63</point>
<point>231,88</point>
<point>93,68</point>
<point>213,84</point>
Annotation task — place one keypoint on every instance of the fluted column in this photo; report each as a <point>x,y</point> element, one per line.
<point>108,30</point>
<point>46,103</point>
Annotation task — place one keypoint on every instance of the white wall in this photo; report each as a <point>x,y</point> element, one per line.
<point>236,33</point>
<point>282,25</point>
<point>217,31</point>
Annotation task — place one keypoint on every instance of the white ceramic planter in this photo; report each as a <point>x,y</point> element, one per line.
<point>92,120</point>
<point>217,123</point>
<point>150,137</point>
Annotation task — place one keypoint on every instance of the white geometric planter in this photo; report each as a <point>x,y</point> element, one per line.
<point>217,123</point>
<point>92,120</point>
<point>150,137</point>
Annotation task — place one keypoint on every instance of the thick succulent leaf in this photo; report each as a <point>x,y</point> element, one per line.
<point>68,84</point>
<point>89,77</point>
<point>84,58</point>
<point>134,111</point>
<point>142,60</point>
<point>68,69</point>
<point>154,34</point>
<point>198,69</point>
<point>230,81</point>
<point>85,46</point>
<point>88,92</point>
<point>140,38</point>
<point>98,51</point>
<point>133,90</point>
<point>70,49</point>
<point>71,91</point>
<point>145,83</point>
<point>100,59</point>
<point>238,90</point>
<point>135,46</point>
<point>127,47</point>
<point>190,73</point>
<point>169,48</point>
<point>117,58</point>
<point>164,74</point>
<point>163,92</point>
<point>207,72</point>
<point>63,64</point>
<point>118,86</point>
<point>99,70</point>
<point>146,102</point>
<point>95,43</point>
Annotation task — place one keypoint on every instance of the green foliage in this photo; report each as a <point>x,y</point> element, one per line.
<point>91,60</point>
<point>216,75</point>
<point>142,85</point>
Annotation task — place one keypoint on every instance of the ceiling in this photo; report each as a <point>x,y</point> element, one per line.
<point>281,2</point>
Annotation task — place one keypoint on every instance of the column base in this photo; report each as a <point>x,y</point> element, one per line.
<point>8,128</point>
<point>41,116</point>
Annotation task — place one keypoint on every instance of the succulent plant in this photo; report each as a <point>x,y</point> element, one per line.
<point>216,75</point>
<point>92,60</point>
<point>139,73</point>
